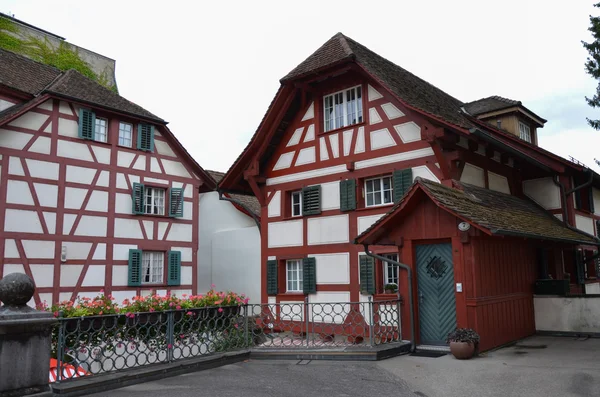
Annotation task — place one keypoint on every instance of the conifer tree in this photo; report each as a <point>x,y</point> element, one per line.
<point>592,64</point>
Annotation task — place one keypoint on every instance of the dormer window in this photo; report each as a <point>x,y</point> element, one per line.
<point>524,132</point>
<point>343,108</point>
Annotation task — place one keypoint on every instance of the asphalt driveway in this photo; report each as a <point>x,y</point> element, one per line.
<point>536,367</point>
<point>261,378</point>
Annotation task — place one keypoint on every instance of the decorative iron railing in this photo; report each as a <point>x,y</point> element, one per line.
<point>94,345</point>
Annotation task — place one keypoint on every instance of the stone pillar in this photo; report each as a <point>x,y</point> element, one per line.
<point>25,337</point>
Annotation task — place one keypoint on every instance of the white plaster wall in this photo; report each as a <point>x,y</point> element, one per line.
<point>92,226</point>
<point>30,120</point>
<point>218,216</point>
<point>274,208</point>
<point>306,156</point>
<point>43,275</point>
<point>22,221</point>
<point>332,268</point>
<point>592,288</point>
<point>328,230</point>
<point>381,139</point>
<point>128,228</point>
<point>46,194</point>
<point>68,128</point>
<point>180,232</point>
<point>473,175</point>
<point>364,222</point>
<point>424,172</point>
<point>584,223</point>
<point>236,259</point>
<point>74,150</point>
<point>41,145</point>
<point>175,168</point>
<point>18,192</point>
<point>42,169</point>
<point>82,175</point>
<point>498,183</point>
<point>567,314</point>
<point>330,195</point>
<point>285,234</point>
<point>543,191</point>
<point>13,139</point>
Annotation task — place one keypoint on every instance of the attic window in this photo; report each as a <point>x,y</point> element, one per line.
<point>524,132</point>
<point>343,108</point>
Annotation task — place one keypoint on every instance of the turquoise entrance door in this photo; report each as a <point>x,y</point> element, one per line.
<point>437,304</point>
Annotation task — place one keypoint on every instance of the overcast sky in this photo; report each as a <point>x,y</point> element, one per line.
<point>211,68</point>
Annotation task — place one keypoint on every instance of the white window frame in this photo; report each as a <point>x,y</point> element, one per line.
<point>103,135</point>
<point>122,132</point>
<point>154,200</point>
<point>525,132</point>
<point>293,268</point>
<point>387,277</point>
<point>153,267</point>
<point>357,109</point>
<point>381,191</point>
<point>299,205</point>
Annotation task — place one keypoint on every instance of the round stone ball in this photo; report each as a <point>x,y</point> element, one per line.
<point>16,289</point>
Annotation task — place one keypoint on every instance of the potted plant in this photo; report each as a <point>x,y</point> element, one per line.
<point>464,342</point>
<point>390,288</point>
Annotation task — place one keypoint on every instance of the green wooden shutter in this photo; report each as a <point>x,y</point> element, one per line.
<point>348,195</point>
<point>309,275</point>
<point>87,121</point>
<point>311,200</point>
<point>176,202</point>
<point>402,180</point>
<point>591,199</point>
<point>272,287</point>
<point>145,138</point>
<point>367,274</point>
<point>135,268</point>
<point>174,270</point>
<point>578,199</point>
<point>137,198</point>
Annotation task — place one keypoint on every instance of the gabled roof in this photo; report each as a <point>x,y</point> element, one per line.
<point>40,81</point>
<point>490,104</point>
<point>74,85</point>
<point>23,74</point>
<point>251,202</point>
<point>34,78</point>
<point>492,212</point>
<point>414,92</point>
<point>409,88</point>
<point>495,103</point>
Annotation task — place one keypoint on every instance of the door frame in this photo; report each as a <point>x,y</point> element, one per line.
<point>417,309</point>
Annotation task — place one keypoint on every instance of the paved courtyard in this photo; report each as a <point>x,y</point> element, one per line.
<point>536,367</point>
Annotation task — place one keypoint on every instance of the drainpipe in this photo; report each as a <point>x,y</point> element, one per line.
<point>244,206</point>
<point>410,292</point>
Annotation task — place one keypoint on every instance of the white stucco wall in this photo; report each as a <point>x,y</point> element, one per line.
<point>567,314</point>
<point>236,261</point>
<point>220,251</point>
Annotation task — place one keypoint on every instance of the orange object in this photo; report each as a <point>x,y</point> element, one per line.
<point>68,371</point>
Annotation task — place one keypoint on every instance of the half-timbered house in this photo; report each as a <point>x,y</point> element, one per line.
<point>96,192</point>
<point>344,139</point>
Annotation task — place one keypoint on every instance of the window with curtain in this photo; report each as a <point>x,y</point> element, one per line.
<point>154,201</point>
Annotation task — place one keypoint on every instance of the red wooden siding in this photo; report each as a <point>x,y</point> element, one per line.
<point>500,291</point>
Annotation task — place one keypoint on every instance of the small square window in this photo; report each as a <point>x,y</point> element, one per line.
<point>154,199</point>
<point>125,134</point>
<point>152,267</point>
<point>100,130</point>
<point>390,271</point>
<point>379,191</point>
<point>296,203</point>
<point>294,275</point>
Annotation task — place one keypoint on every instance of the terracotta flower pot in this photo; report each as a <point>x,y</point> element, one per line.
<point>462,350</point>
